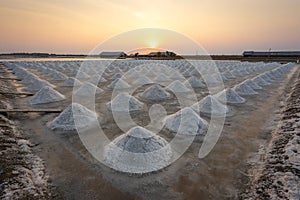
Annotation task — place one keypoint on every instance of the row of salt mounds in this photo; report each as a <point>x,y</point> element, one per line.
<point>122,153</point>
<point>266,77</point>
<point>143,81</point>
<point>82,75</point>
<point>88,89</point>
<point>244,90</point>
<point>29,78</point>
<point>210,106</point>
<point>72,82</point>
<point>96,79</point>
<point>155,93</point>
<point>118,84</point>
<point>37,84</point>
<point>194,82</point>
<point>252,84</point>
<point>177,87</point>
<point>46,95</point>
<point>58,76</point>
<point>186,122</point>
<point>124,102</point>
<point>229,96</point>
<point>65,121</point>
<point>260,81</point>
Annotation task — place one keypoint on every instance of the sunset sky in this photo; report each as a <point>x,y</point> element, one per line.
<point>220,26</point>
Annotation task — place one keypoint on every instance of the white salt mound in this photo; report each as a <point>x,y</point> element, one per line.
<point>124,102</point>
<point>82,75</point>
<point>142,81</point>
<point>252,84</point>
<point>230,96</point>
<point>38,84</point>
<point>162,78</point>
<point>244,89</point>
<point>46,95</point>
<point>58,76</point>
<point>70,82</point>
<point>229,75</point>
<point>151,73</point>
<point>210,105</point>
<point>119,84</point>
<point>138,151</point>
<point>177,86</point>
<point>194,82</point>
<point>266,77</point>
<point>88,89</point>
<point>155,93</point>
<point>176,75</point>
<point>66,120</point>
<point>260,81</point>
<point>211,79</point>
<point>29,78</point>
<point>187,122</point>
<point>97,79</point>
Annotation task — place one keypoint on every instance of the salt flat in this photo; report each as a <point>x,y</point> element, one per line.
<point>259,88</point>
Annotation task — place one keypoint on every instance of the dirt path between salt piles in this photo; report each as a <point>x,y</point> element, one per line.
<point>276,173</point>
<point>221,175</point>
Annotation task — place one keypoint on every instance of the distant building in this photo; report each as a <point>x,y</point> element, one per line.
<point>113,54</point>
<point>271,53</point>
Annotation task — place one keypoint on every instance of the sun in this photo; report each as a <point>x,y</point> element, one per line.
<point>153,44</point>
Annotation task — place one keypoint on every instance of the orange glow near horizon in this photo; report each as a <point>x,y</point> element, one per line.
<point>77,26</point>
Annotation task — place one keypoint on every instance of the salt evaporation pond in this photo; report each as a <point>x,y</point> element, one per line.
<point>132,86</point>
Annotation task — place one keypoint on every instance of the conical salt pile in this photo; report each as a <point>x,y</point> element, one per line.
<point>119,84</point>
<point>210,105</point>
<point>229,75</point>
<point>260,81</point>
<point>253,85</point>
<point>177,76</point>
<point>266,77</point>
<point>177,86</point>
<point>142,81</point>
<point>155,93</point>
<point>275,73</point>
<point>187,122</point>
<point>88,89</point>
<point>132,74</point>
<point>58,76</point>
<point>82,75</point>
<point>97,79</point>
<point>124,102</point>
<point>29,78</point>
<point>162,78</point>
<point>74,112</point>
<point>46,95</point>
<point>151,73</point>
<point>38,84</point>
<point>194,82</point>
<point>70,82</point>
<point>138,151</point>
<point>229,96</point>
<point>211,79</point>
<point>244,89</point>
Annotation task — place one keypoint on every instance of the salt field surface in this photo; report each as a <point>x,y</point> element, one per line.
<point>141,106</point>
